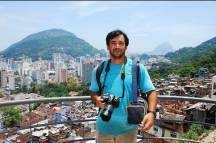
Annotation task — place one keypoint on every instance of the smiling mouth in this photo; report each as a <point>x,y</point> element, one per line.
<point>117,52</point>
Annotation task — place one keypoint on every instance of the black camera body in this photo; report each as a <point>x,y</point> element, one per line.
<point>110,103</point>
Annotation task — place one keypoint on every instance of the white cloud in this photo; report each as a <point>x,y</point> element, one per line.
<point>91,11</point>
<point>83,9</point>
<point>141,24</point>
<point>1,7</point>
<point>83,3</point>
<point>15,27</point>
<point>3,23</point>
<point>33,18</point>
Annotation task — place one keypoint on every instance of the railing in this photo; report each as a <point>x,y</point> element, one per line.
<point>86,98</point>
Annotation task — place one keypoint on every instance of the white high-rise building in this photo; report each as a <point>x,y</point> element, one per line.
<point>3,81</point>
<point>25,68</point>
<point>11,80</point>
<point>87,68</point>
<point>7,79</point>
<point>58,61</point>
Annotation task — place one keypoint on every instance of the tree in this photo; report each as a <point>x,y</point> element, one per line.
<point>11,116</point>
<point>72,84</point>
<point>186,71</point>
<point>84,89</point>
<point>35,88</point>
<point>34,105</point>
<point>54,90</point>
<point>24,88</point>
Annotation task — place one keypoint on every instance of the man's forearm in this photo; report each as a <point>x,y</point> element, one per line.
<point>152,101</point>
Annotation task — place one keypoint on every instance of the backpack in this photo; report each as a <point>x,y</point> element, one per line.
<point>100,69</point>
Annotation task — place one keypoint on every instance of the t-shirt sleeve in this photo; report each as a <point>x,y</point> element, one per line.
<point>94,86</point>
<point>145,82</point>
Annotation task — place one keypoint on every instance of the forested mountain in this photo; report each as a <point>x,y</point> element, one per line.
<point>188,61</point>
<point>190,54</point>
<point>45,43</point>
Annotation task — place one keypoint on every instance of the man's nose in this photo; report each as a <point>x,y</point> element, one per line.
<point>118,45</point>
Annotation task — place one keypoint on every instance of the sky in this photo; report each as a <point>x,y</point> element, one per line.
<point>147,23</point>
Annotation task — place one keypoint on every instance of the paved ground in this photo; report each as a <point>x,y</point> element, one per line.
<point>210,138</point>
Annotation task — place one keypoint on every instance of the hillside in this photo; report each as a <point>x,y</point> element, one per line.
<point>45,43</point>
<point>162,49</point>
<point>191,54</point>
<point>188,61</point>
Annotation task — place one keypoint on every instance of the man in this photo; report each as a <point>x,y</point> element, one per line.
<point>117,129</point>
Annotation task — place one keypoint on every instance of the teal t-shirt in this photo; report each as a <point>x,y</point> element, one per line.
<point>114,85</point>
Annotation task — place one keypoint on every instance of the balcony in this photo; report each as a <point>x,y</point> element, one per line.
<point>72,119</point>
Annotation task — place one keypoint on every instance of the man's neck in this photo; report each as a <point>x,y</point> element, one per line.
<point>117,60</point>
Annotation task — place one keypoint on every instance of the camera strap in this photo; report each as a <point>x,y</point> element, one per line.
<point>122,72</point>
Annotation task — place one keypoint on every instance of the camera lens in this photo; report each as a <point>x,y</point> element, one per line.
<point>115,102</point>
<point>111,103</point>
<point>106,113</point>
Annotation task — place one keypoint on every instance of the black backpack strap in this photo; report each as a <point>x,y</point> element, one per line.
<point>98,75</point>
<point>143,95</point>
<point>138,72</point>
<point>135,92</point>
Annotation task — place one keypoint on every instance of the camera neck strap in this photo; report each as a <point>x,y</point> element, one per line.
<point>122,72</point>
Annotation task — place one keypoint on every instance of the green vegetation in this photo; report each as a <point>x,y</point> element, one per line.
<point>83,89</point>
<point>45,43</point>
<point>188,69</point>
<point>35,88</point>
<point>189,54</point>
<point>54,90</point>
<point>1,95</point>
<point>72,84</point>
<point>11,116</point>
<point>60,89</point>
<point>34,106</point>
<point>189,61</point>
<point>162,72</point>
<point>194,132</point>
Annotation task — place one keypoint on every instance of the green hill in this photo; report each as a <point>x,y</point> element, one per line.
<point>193,54</point>
<point>188,61</point>
<point>45,43</point>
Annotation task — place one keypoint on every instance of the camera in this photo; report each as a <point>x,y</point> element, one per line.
<point>110,103</point>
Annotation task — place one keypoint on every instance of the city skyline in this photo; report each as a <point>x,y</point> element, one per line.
<point>148,24</point>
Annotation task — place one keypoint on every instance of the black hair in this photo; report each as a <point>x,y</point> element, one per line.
<point>114,34</point>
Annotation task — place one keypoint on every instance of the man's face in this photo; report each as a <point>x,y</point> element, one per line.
<point>117,46</point>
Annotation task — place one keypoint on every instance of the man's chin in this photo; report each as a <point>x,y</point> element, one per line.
<point>117,56</point>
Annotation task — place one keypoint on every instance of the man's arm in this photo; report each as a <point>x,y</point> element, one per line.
<point>147,87</point>
<point>152,101</point>
<point>148,120</point>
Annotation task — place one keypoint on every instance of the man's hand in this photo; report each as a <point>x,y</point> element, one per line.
<point>148,121</point>
<point>97,100</point>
